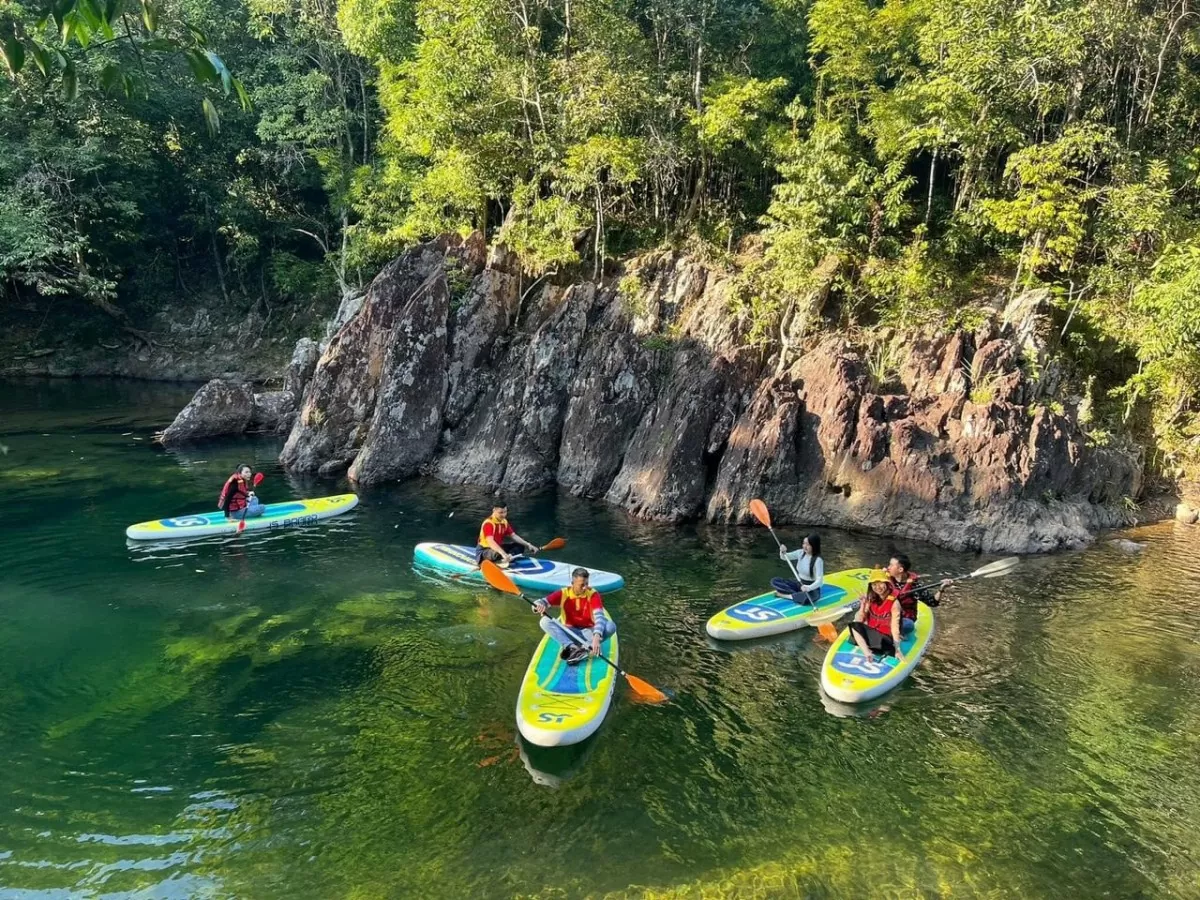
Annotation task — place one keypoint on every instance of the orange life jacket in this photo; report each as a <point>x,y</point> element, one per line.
<point>879,613</point>
<point>500,530</point>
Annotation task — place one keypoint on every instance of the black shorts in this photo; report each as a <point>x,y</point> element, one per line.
<point>879,643</point>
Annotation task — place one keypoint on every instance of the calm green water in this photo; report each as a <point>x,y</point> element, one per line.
<point>299,715</point>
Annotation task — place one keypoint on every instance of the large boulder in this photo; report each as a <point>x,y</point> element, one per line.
<point>408,412</point>
<point>301,368</point>
<point>512,437</point>
<point>608,396</point>
<point>339,406</point>
<point>221,407</point>
<point>273,411</point>
<point>664,475</point>
<point>964,469</point>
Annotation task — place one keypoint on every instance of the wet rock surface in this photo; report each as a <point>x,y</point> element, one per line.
<point>220,407</point>
<point>652,396</point>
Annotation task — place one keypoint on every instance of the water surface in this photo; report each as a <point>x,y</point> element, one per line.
<point>300,715</point>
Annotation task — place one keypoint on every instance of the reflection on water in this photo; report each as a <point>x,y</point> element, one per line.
<point>300,714</point>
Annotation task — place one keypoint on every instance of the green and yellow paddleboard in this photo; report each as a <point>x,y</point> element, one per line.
<point>561,704</point>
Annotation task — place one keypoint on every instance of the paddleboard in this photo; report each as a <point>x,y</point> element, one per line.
<point>292,514</point>
<point>528,572</point>
<point>561,704</point>
<point>767,614</point>
<point>847,676</point>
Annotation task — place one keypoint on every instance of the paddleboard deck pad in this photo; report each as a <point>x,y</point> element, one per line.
<point>766,614</point>
<point>292,514</point>
<point>560,704</point>
<point>849,677</point>
<point>528,573</point>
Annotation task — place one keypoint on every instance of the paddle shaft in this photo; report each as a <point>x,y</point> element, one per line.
<point>785,558</point>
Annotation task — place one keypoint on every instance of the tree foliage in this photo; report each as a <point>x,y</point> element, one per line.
<point>925,155</point>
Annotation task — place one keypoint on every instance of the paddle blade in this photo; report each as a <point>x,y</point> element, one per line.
<point>495,576</point>
<point>827,631</point>
<point>759,510</point>
<point>644,691</point>
<point>999,567</point>
<point>258,479</point>
<point>556,544</point>
<point>241,525</point>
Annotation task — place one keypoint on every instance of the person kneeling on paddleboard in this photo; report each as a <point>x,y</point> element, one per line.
<point>876,625</point>
<point>582,612</point>
<point>237,496</point>
<point>808,588</point>
<point>906,588</point>
<point>498,542</point>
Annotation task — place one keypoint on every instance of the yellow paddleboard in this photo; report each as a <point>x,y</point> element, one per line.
<point>561,704</point>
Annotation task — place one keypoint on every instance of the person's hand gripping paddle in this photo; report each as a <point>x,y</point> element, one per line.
<point>759,510</point>
<point>642,691</point>
<point>245,509</point>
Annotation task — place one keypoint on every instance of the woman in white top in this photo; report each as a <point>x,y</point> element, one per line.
<point>809,566</point>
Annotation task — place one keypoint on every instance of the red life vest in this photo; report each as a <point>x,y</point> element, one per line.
<point>879,613</point>
<point>500,530</point>
<point>906,593</point>
<point>235,494</point>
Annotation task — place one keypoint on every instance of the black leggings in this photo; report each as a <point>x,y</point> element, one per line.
<point>879,643</point>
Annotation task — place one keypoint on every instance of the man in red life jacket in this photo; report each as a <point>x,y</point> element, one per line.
<point>906,588</point>
<point>498,542</point>
<point>876,625</point>
<point>582,612</point>
<point>237,496</point>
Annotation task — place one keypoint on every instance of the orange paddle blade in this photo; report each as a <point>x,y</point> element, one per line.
<point>556,544</point>
<point>495,576</point>
<point>241,525</point>
<point>644,691</point>
<point>758,509</point>
<point>827,631</point>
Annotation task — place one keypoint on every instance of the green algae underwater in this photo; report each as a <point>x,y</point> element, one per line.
<point>300,714</point>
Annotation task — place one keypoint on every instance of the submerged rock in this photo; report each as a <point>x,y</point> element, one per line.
<point>220,407</point>
<point>1127,545</point>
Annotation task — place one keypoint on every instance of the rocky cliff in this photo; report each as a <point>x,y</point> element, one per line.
<point>650,397</point>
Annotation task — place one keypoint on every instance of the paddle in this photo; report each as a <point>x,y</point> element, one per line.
<point>554,544</point>
<point>642,690</point>
<point>759,510</point>
<point>258,479</point>
<point>991,570</point>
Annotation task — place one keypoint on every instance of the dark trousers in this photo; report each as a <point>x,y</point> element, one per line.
<point>512,548</point>
<point>879,643</point>
<point>799,595</point>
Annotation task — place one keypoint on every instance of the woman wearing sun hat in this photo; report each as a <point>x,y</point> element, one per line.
<point>876,625</point>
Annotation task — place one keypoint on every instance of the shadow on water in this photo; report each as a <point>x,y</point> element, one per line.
<point>302,715</point>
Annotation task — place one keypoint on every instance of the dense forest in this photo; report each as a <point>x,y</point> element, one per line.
<point>930,157</point>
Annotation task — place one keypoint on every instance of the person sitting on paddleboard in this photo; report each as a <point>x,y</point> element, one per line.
<point>498,542</point>
<point>906,588</point>
<point>809,566</point>
<point>876,625</point>
<point>582,612</point>
<point>237,496</point>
